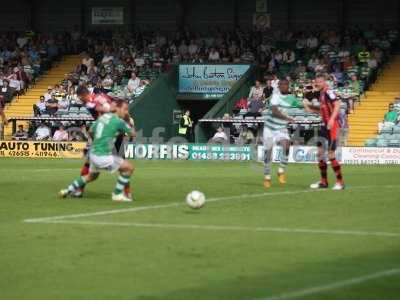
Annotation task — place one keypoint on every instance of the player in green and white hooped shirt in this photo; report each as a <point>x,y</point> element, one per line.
<point>104,132</point>
<point>276,132</point>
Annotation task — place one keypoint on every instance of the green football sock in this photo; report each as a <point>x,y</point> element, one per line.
<point>77,184</point>
<point>122,181</point>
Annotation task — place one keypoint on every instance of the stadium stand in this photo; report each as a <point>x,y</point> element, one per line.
<point>364,123</point>
<point>22,106</point>
<point>388,129</point>
<point>125,64</point>
<point>351,67</point>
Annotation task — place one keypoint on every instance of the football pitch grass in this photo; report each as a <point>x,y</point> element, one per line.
<point>245,243</point>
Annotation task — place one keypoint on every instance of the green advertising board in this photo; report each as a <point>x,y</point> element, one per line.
<point>189,152</point>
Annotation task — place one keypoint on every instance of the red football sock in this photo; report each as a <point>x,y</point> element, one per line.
<point>323,167</point>
<point>127,189</point>
<point>85,169</point>
<point>337,169</point>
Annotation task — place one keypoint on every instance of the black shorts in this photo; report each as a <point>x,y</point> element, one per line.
<point>331,137</point>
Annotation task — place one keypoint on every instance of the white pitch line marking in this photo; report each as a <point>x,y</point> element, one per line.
<point>99,213</point>
<point>141,208</point>
<point>149,207</point>
<point>174,204</point>
<point>334,285</point>
<point>230,228</point>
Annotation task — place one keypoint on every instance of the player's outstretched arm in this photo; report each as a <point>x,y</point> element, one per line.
<point>278,114</point>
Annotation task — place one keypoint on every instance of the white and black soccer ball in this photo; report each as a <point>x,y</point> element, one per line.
<point>195,199</point>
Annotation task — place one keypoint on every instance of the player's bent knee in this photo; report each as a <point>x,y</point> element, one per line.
<point>331,154</point>
<point>126,167</point>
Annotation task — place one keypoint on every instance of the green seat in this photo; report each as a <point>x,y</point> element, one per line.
<point>62,112</point>
<point>370,143</point>
<point>386,130</point>
<point>382,143</point>
<point>394,143</point>
<point>385,136</point>
<point>396,129</point>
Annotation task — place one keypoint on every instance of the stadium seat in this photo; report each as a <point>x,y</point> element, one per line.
<point>386,130</point>
<point>370,143</point>
<point>382,143</point>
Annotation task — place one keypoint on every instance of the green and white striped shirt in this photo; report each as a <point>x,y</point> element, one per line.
<point>283,102</point>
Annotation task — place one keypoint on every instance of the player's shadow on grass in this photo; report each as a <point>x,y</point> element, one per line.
<point>96,196</point>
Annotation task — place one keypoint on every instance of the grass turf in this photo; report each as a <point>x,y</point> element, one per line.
<point>212,253</point>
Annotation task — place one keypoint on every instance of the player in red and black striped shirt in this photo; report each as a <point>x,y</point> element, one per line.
<point>329,108</point>
<point>98,104</point>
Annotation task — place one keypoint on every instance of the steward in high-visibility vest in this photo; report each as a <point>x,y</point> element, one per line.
<point>185,125</point>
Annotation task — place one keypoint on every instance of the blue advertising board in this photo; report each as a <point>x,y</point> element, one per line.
<point>209,79</point>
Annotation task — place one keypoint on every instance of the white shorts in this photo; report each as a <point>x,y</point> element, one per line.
<point>272,137</point>
<point>109,163</point>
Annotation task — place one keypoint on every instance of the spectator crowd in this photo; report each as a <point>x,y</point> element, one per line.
<point>124,64</point>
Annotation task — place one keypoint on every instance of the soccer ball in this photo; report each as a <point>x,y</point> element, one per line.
<point>195,199</point>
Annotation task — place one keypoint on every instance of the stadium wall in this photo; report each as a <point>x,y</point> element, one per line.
<point>14,16</point>
<point>154,108</point>
<point>160,14</point>
<point>50,16</point>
